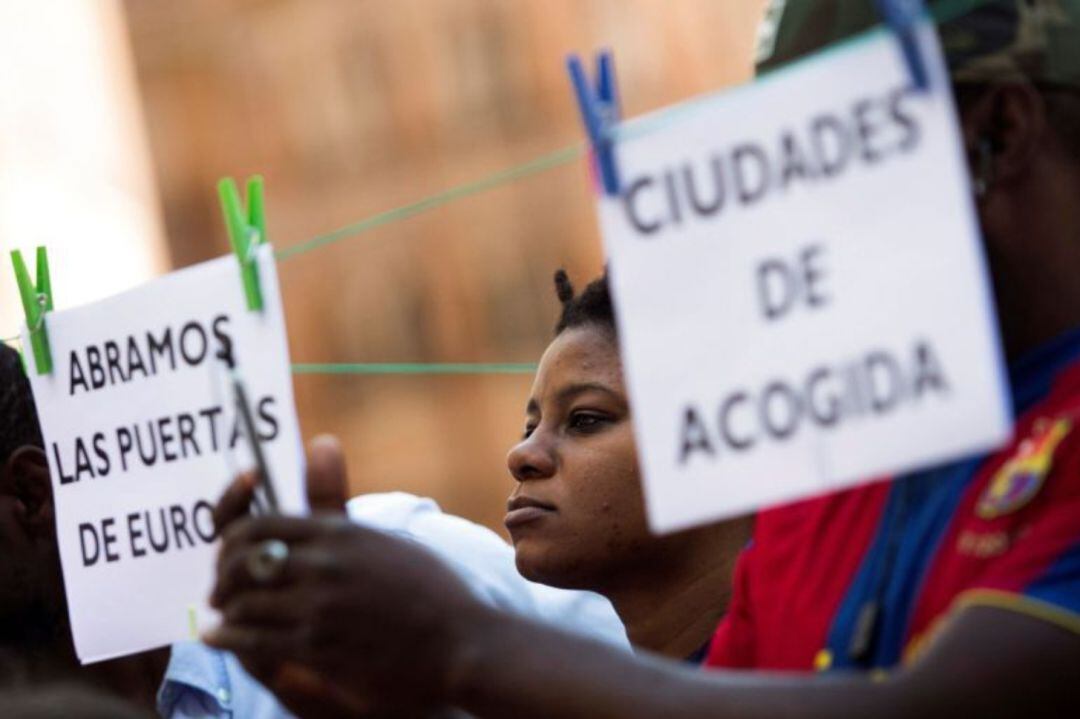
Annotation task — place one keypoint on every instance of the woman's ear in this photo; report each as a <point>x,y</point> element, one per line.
<point>28,470</point>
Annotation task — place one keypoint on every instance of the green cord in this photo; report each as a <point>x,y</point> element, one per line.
<point>414,368</point>
<point>534,167</point>
<point>541,164</point>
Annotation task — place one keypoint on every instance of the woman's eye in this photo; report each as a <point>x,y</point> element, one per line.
<point>529,429</point>
<point>586,421</point>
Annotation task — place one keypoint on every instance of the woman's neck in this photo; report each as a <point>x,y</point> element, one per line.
<point>671,603</point>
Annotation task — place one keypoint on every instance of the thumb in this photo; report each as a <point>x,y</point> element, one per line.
<point>327,480</point>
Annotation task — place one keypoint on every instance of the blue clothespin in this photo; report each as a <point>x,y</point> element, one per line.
<point>599,112</point>
<point>902,17</point>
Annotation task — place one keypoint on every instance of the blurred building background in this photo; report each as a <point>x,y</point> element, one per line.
<point>351,107</point>
<point>75,168</point>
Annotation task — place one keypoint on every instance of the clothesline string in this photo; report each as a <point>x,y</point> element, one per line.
<point>504,177</point>
<point>942,13</point>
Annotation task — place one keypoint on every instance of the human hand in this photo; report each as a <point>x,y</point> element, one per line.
<point>365,610</point>
<point>303,691</point>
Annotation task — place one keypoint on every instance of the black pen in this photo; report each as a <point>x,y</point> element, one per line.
<point>265,500</point>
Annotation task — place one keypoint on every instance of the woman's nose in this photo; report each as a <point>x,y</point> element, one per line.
<point>532,458</point>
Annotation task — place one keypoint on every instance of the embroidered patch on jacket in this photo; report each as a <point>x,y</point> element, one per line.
<point>1020,478</point>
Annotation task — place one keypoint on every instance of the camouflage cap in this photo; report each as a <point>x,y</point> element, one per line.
<point>984,40</point>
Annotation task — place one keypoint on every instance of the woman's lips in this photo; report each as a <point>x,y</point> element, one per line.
<point>523,510</point>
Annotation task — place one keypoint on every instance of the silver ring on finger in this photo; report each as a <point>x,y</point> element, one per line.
<point>267,560</point>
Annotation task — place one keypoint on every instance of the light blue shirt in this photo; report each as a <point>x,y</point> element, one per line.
<point>203,682</point>
<point>485,562</point>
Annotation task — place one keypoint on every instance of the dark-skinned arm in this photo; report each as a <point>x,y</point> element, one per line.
<point>988,662</point>
<point>368,610</point>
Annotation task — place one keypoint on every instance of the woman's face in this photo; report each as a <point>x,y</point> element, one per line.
<point>577,514</point>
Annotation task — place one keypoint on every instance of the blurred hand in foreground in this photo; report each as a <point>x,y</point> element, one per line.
<point>326,483</point>
<point>351,615</point>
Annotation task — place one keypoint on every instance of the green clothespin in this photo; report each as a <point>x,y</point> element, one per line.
<point>37,301</point>
<point>247,231</point>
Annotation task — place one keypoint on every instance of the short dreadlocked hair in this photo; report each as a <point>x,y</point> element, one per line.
<point>18,416</point>
<point>592,307</point>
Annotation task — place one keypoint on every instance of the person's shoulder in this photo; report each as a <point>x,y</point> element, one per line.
<point>485,561</point>
<point>1038,469</point>
<point>1013,540</point>
<point>420,518</point>
<point>390,510</point>
<point>1042,461</point>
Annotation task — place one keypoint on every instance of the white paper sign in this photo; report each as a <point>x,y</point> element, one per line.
<point>142,436</point>
<point>802,297</point>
